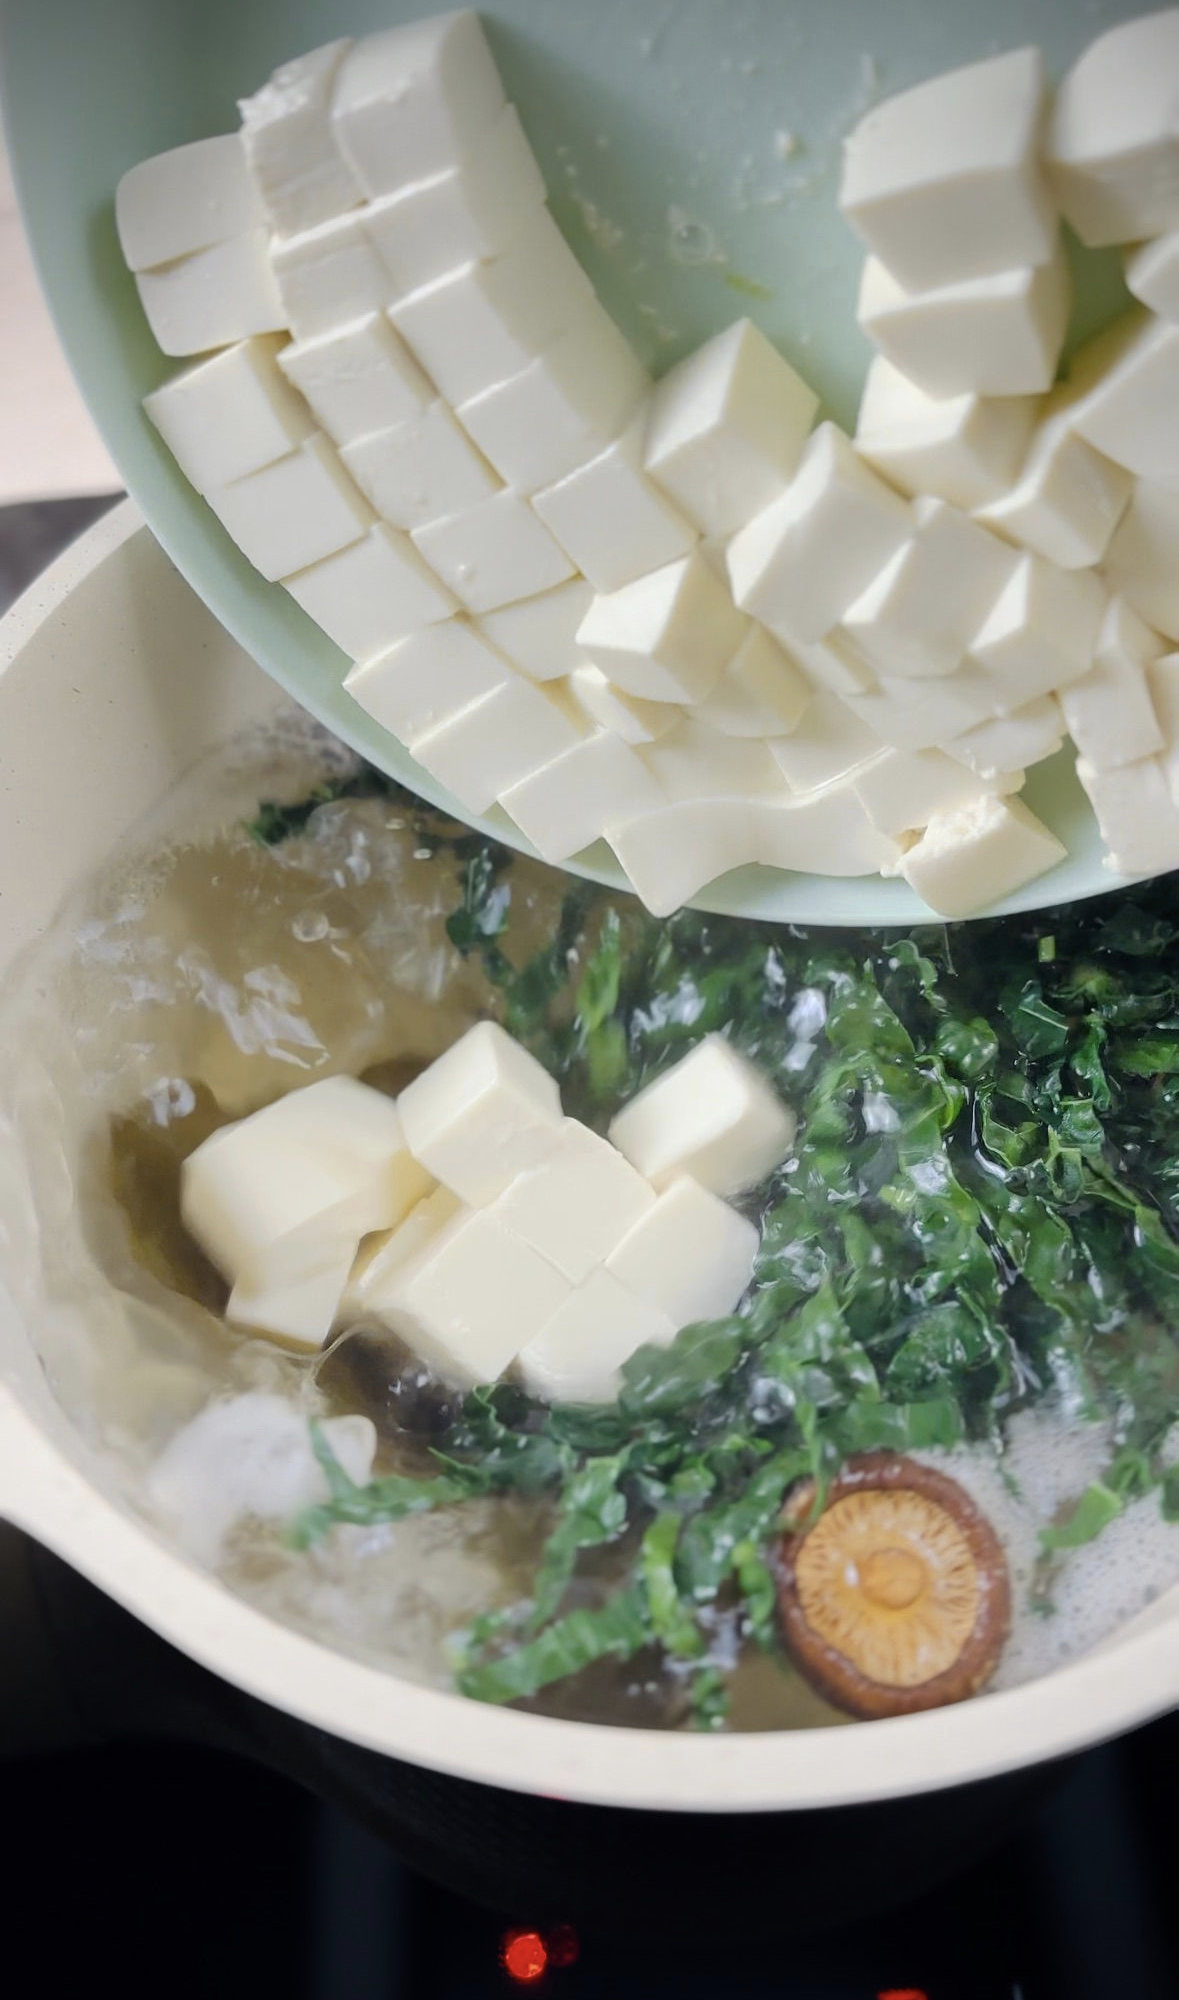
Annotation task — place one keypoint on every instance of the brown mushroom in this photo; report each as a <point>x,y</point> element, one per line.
<point>897,1597</point>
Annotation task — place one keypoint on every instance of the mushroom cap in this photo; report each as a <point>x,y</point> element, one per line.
<point>897,1598</point>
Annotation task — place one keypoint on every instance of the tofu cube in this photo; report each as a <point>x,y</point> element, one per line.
<point>563,408</point>
<point>917,715</point>
<point>612,521</point>
<point>382,1255</point>
<point>487,748</point>
<point>297,1307</point>
<point>185,200</point>
<point>577,1204</point>
<point>1132,412</point>
<point>301,176</point>
<point>213,297</point>
<point>668,636</point>
<point>493,553</point>
<point>568,803</point>
<point>426,678</point>
<point>673,852</point>
<point>1142,560</point>
<point>487,321</point>
<point>539,634</point>
<point>328,275</point>
<point>1041,633</point>
<point>919,614</point>
<point>469,1301</point>
<point>806,557</point>
<point>713,1116</point>
<point>943,182</point>
<point>294,512</point>
<point>468,212</point>
<point>415,100</point>
<point>420,469</point>
<point>834,663</point>
<point>1109,712</point>
<point>1113,139</point>
<point>624,715</point>
<point>230,415</point>
<point>965,449</point>
<point>902,790</point>
<point>371,593</point>
<point>1162,679</point>
<point>578,1356</point>
<point>358,379</point>
<point>972,857</point>
<point>995,336</point>
<point>726,428</point>
<point>829,742</point>
<point>823,833</point>
<point>695,762</point>
<point>1011,744</point>
<point>1136,811</point>
<point>1152,275</point>
<point>1067,499</point>
<point>761,692</point>
<point>481,1114</point>
<point>690,1255</point>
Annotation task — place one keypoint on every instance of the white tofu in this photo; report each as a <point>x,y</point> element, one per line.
<point>382,1255</point>
<point>563,408</point>
<point>1162,680</point>
<point>691,1255</point>
<point>1067,499</point>
<point>577,1204</point>
<point>358,379</point>
<point>943,181</point>
<point>625,715</point>
<point>298,1307</point>
<point>213,297</point>
<point>323,1165</point>
<point>371,593</point>
<point>668,636</point>
<point>726,428</point>
<point>482,752</point>
<point>494,552</point>
<point>230,415</point>
<point>427,678</point>
<point>917,715</point>
<point>799,563</point>
<point>823,833</point>
<point>971,857</point>
<point>670,854</point>
<point>470,1300</point>
<point>1041,633</point>
<point>415,100</point>
<point>568,803</point>
<point>1109,713</point>
<point>695,762</point>
<point>1142,560</point>
<point>917,617</point>
<point>713,1116</point>
<point>829,742</point>
<point>1137,814</point>
<point>481,1114</point>
<point>1152,275</point>
<point>1011,744</point>
<point>487,321</point>
<point>469,212</point>
<point>578,1356</point>
<point>995,336</point>
<point>835,664</point>
<point>294,512</point>
<point>184,200</point>
<point>420,469</point>
<point>762,692</point>
<point>287,134</point>
<point>1132,413</point>
<point>328,276</point>
<point>1113,139</point>
<point>612,521</point>
<point>901,790</point>
<point>539,634</point>
<point>965,449</point>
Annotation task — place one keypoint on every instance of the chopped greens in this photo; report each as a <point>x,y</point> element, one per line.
<point>983,1209</point>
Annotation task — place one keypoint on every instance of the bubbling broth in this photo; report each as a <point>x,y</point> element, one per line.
<point>980,1145</point>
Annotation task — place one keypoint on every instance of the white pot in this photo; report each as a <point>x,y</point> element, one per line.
<point>114,680</point>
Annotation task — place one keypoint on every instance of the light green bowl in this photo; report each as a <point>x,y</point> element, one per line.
<point>691,149</point>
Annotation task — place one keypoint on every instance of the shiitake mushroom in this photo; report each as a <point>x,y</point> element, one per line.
<point>897,1597</point>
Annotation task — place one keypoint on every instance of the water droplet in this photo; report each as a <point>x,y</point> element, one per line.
<point>691,241</point>
<point>310,926</point>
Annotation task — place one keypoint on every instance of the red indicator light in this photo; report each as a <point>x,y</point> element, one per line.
<point>524,1956</point>
<point>903,1993</point>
